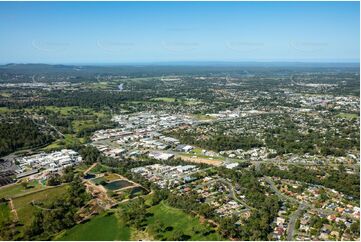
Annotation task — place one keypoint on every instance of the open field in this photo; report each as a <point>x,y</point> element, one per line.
<point>102,227</point>
<point>62,110</point>
<point>347,115</point>
<point>5,110</point>
<point>68,140</point>
<point>79,125</point>
<point>98,169</point>
<point>197,159</point>
<point>23,205</point>
<point>81,167</point>
<point>180,221</point>
<point>164,99</point>
<point>18,190</point>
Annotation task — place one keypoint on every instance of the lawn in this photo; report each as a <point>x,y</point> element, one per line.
<point>98,169</point>
<point>164,99</point>
<point>81,167</point>
<point>181,221</point>
<point>102,227</point>
<point>4,212</point>
<point>18,189</point>
<point>347,115</point>
<point>23,205</point>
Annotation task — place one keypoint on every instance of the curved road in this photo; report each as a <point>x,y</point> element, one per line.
<point>293,218</point>
<point>233,194</point>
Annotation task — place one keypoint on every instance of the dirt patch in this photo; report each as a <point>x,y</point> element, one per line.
<point>141,236</point>
<point>201,160</point>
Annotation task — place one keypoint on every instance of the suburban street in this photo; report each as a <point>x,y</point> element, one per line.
<point>293,218</point>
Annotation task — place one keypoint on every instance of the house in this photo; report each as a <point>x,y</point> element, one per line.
<point>280,221</point>
<point>232,165</point>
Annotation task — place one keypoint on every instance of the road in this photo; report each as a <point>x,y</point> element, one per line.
<point>91,167</point>
<point>13,210</point>
<point>233,194</point>
<point>60,133</point>
<point>278,193</point>
<point>231,190</point>
<point>293,218</point>
<point>303,204</point>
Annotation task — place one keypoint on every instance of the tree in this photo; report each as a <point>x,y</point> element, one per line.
<point>68,174</point>
<point>24,184</point>
<point>61,214</point>
<point>53,180</point>
<point>355,228</point>
<point>90,154</point>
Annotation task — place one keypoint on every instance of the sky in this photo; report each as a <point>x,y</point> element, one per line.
<point>142,32</point>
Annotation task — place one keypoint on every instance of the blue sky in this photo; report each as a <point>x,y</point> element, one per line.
<point>130,32</point>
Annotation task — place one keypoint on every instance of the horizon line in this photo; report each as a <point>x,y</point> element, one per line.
<point>188,62</point>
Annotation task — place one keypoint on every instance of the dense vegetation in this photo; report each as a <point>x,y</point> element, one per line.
<point>20,133</point>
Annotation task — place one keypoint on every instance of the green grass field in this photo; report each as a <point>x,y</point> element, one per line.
<point>4,212</point>
<point>68,140</point>
<point>180,221</point>
<point>81,167</point>
<point>5,110</point>
<point>347,115</point>
<point>79,125</point>
<point>98,169</point>
<point>18,189</point>
<point>61,110</point>
<point>164,99</point>
<point>23,205</point>
<point>102,227</point>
